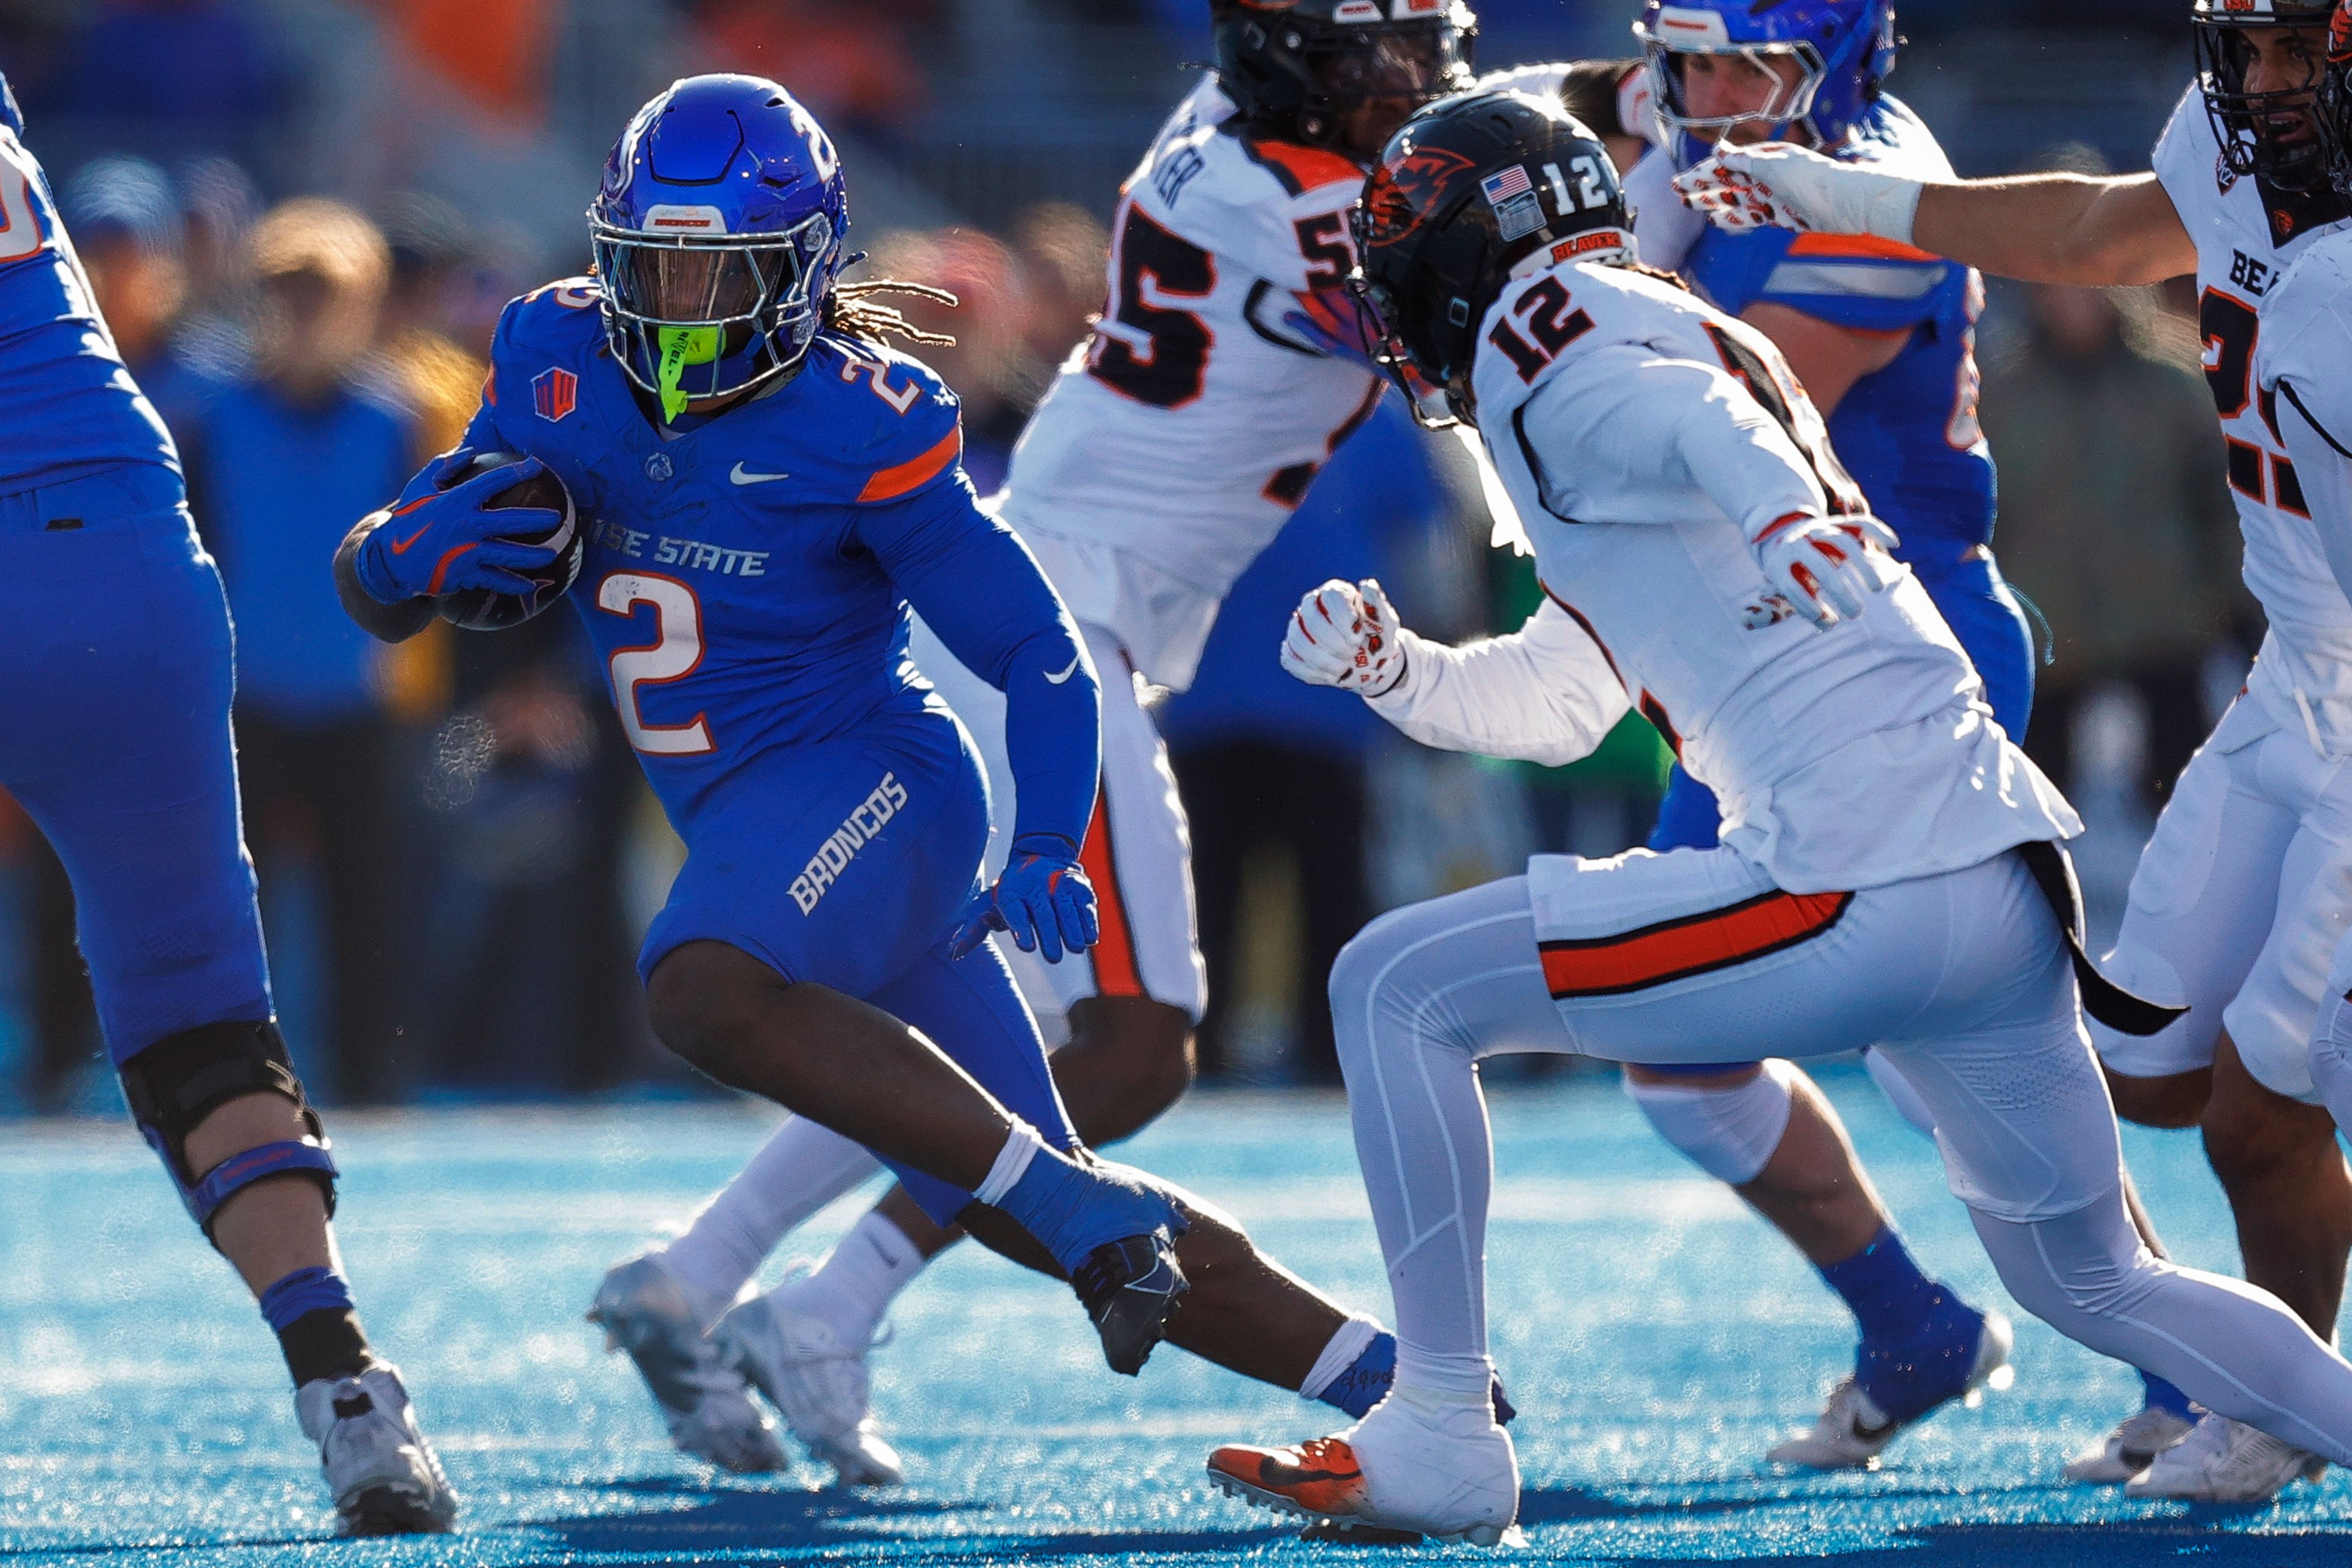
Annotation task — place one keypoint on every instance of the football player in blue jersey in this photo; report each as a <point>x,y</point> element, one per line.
<point>1883,336</point>
<point>118,745</point>
<point>763,490</point>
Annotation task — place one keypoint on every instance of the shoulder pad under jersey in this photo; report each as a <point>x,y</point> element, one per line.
<point>891,425</point>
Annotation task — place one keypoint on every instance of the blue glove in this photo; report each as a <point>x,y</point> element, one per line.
<point>1044,900</point>
<point>437,541</point>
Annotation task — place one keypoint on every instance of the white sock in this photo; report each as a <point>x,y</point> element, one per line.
<point>1449,1378</point>
<point>855,1284</point>
<point>800,1168</point>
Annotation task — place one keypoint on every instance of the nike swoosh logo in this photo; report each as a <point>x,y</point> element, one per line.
<point>400,546</point>
<point>741,476</point>
<point>1073,670</point>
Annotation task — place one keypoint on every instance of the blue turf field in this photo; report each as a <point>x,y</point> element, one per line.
<point>1653,1340</point>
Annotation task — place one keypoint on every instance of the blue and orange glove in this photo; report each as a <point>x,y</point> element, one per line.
<point>1043,899</point>
<point>435,542</point>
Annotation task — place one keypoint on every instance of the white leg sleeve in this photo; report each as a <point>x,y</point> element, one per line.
<point>1730,1132</point>
<point>1415,999</point>
<point>1898,1091</point>
<point>2235,1350</point>
<point>800,1168</point>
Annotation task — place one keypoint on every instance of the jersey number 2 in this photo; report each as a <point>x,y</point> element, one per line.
<point>1155,352</point>
<point>674,654</point>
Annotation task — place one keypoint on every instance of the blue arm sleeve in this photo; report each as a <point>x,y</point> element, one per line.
<point>977,585</point>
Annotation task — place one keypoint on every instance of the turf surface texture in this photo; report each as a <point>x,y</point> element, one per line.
<point>1656,1338</point>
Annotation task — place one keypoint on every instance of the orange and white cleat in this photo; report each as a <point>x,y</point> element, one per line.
<point>1414,1467</point>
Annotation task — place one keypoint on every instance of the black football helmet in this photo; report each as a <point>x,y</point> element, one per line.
<point>1297,69</point>
<point>2243,121</point>
<point>1465,193</point>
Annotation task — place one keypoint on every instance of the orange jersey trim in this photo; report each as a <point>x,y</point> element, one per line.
<point>490,387</point>
<point>909,476</point>
<point>1693,944</point>
<point>1116,971</point>
<point>1853,246</point>
<point>1305,168</point>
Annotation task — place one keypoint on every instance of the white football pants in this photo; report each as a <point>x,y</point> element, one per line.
<point>1961,979</point>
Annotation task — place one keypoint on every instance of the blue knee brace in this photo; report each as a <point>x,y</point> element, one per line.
<point>176,1083</point>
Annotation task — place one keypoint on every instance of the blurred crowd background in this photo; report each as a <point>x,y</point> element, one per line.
<point>302,218</point>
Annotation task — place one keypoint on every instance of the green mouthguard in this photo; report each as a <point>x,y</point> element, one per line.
<point>681,347</point>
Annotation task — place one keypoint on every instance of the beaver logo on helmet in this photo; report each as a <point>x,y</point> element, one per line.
<point>1406,188</point>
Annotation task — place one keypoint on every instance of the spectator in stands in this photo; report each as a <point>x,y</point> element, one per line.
<point>1271,771</point>
<point>169,78</point>
<point>2114,518</point>
<point>280,463</point>
<point>1066,262</point>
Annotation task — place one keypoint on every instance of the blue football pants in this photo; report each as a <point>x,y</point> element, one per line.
<point>117,677</point>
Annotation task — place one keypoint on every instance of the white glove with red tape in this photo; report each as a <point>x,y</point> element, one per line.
<point>1775,185</point>
<point>1818,563</point>
<point>1346,635</point>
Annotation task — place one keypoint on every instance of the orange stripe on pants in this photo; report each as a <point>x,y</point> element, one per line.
<point>1117,973</point>
<point>1692,944</point>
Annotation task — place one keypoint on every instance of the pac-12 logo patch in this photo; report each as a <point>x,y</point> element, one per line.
<point>554,393</point>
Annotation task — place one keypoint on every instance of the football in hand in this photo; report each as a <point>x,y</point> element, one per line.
<point>483,610</point>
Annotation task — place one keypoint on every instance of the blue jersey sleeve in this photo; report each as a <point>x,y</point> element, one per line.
<point>976,585</point>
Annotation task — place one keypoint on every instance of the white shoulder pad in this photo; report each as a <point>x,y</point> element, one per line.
<point>2186,157</point>
<point>1255,207</point>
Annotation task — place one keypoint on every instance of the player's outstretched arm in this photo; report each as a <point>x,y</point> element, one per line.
<point>2044,228</point>
<point>1543,694</point>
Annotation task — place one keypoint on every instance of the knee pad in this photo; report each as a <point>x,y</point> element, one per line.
<point>179,1080</point>
<point>1729,1133</point>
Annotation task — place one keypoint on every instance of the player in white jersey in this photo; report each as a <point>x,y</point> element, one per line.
<point>2246,887</point>
<point>2304,352</point>
<point>1227,368</point>
<point>1889,873</point>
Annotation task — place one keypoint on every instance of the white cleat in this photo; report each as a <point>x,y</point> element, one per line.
<point>1852,1431</point>
<point>801,1363</point>
<point>2223,1460</point>
<point>386,1477</point>
<point>2129,1449</point>
<point>704,1402</point>
<point>1414,1467</point>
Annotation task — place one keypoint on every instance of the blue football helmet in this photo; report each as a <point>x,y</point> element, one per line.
<point>719,236</point>
<point>1844,49</point>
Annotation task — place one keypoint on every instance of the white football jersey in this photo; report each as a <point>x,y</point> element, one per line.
<point>1646,438</point>
<point>2303,369</point>
<point>2246,237</point>
<point>1173,448</point>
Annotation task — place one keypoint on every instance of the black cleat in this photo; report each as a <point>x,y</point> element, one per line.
<point>1128,1288</point>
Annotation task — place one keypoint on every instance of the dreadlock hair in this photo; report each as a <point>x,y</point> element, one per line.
<point>850,310</point>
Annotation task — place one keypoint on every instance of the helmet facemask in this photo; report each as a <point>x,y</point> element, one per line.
<point>1344,84</point>
<point>2251,125</point>
<point>1789,103</point>
<point>703,315</point>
